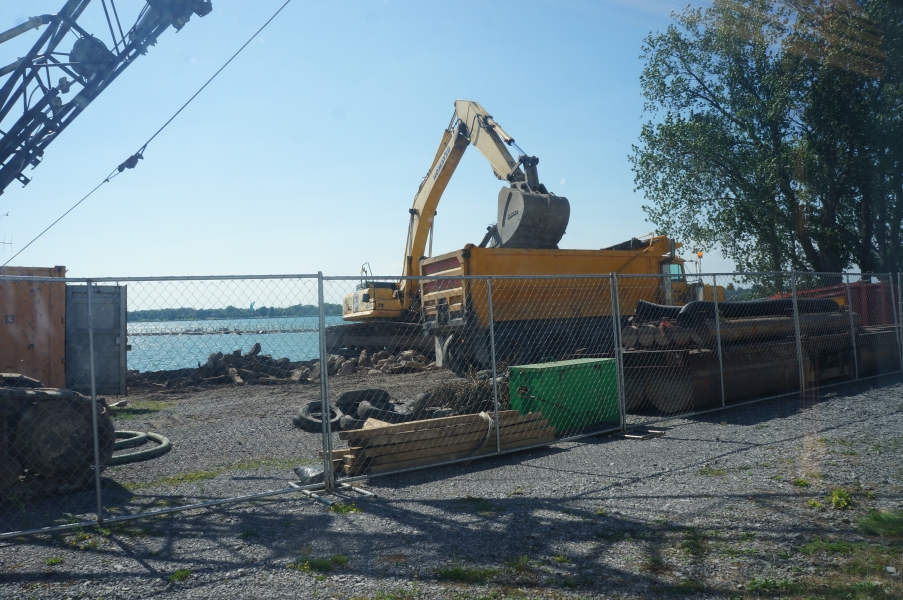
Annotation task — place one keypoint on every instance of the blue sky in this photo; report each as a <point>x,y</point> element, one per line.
<point>306,153</point>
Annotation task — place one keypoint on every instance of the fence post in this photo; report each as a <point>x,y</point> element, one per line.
<point>616,339</point>
<point>495,382</point>
<point>893,301</point>
<point>718,336</point>
<point>328,473</point>
<point>852,325</point>
<point>899,310</point>
<point>796,331</point>
<point>94,416</point>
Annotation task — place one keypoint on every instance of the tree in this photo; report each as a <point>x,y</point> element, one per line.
<point>777,132</point>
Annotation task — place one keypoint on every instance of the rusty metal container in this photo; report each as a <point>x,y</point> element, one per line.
<point>33,325</point>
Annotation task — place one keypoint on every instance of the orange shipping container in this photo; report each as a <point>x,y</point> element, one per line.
<point>33,325</point>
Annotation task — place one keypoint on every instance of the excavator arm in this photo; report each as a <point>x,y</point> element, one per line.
<point>471,124</point>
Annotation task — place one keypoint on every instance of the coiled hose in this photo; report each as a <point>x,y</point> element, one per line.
<point>129,439</point>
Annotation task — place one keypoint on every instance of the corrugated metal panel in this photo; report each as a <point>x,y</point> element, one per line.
<point>109,303</point>
<point>32,325</point>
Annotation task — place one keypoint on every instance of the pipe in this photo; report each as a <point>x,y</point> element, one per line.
<point>31,23</point>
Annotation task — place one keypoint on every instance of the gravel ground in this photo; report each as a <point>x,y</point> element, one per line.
<point>734,504</point>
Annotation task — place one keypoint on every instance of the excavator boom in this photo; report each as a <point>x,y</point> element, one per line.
<point>528,215</point>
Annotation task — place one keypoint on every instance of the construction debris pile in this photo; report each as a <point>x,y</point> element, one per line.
<point>381,447</point>
<point>233,368</point>
<point>262,369</point>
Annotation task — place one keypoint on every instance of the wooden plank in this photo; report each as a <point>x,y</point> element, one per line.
<point>398,466</point>
<point>418,425</point>
<point>451,439</point>
<point>336,453</point>
<point>441,451</point>
<point>236,378</point>
<point>438,432</point>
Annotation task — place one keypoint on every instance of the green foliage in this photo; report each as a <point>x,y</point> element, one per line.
<point>53,561</point>
<point>711,472</point>
<point>343,508</point>
<point>776,133</point>
<point>461,573</point>
<point>308,564</point>
<point>180,575</point>
<point>884,523</point>
<point>800,482</point>
<point>230,312</point>
<point>840,499</point>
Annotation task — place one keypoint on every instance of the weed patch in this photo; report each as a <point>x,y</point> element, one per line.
<point>53,561</point>
<point>884,523</point>
<point>344,508</point>
<point>800,482</point>
<point>711,472</point>
<point>137,410</point>
<point>460,573</point>
<point>180,575</point>
<point>307,564</point>
<point>840,499</point>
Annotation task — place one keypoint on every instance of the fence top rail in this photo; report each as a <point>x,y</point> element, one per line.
<point>96,280</point>
<point>14,278</point>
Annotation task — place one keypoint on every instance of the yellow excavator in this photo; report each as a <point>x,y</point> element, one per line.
<point>533,318</point>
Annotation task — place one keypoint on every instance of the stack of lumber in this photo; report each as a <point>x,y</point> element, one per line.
<point>380,447</point>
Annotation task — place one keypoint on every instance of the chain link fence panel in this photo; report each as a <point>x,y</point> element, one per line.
<point>208,390</point>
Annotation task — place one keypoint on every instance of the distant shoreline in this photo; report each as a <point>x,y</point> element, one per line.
<point>230,312</point>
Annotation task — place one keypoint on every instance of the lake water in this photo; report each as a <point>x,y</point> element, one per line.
<point>183,344</point>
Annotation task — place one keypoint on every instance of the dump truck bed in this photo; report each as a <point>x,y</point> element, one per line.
<point>528,299</point>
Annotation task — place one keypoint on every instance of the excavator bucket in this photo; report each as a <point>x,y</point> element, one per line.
<point>527,220</point>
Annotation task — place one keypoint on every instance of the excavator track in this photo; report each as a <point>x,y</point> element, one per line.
<point>351,338</point>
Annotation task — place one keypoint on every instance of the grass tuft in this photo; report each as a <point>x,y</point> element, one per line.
<point>840,499</point>
<point>800,482</point>
<point>886,523</point>
<point>344,508</point>
<point>711,472</point>
<point>180,575</point>
<point>53,561</point>
<point>457,572</point>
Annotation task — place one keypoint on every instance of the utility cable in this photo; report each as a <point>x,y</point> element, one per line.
<point>132,161</point>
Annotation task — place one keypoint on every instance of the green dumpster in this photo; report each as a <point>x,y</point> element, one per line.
<point>573,394</point>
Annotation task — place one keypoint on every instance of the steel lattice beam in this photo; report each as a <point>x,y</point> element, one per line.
<point>88,64</point>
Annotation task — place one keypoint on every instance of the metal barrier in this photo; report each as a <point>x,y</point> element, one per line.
<point>182,393</point>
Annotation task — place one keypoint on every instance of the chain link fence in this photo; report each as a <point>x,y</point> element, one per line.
<point>210,390</point>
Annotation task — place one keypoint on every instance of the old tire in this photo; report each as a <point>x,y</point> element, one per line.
<point>310,417</point>
<point>348,402</point>
<point>382,412</point>
<point>349,423</point>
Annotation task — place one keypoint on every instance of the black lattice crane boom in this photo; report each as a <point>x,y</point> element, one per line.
<point>42,92</point>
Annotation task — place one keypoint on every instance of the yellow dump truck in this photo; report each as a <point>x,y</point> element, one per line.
<point>537,309</point>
